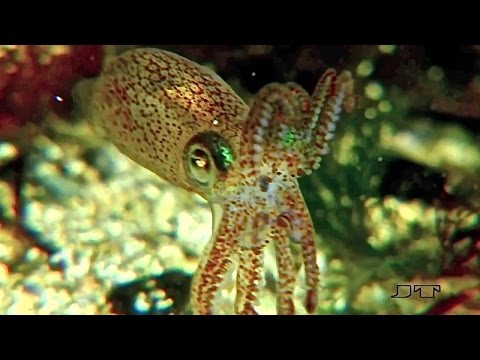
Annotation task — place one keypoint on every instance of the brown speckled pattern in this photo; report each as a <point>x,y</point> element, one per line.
<point>152,103</point>
<point>155,100</point>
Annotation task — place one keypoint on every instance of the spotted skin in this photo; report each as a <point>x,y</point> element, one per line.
<point>184,123</point>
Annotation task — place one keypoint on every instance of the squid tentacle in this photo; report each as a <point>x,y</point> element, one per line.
<point>215,262</point>
<point>274,112</point>
<point>296,220</point>
<point>250,270</point>
<point>330,95</point>
<point>249,274</point>
<point>286,271</point>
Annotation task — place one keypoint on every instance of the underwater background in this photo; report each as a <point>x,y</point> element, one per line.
<point>84,230</point>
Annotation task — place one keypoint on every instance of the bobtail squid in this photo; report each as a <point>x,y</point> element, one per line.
<point>183,122</point>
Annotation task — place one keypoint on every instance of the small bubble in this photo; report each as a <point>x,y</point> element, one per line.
<point>380,159</point>
<point>254,73</point>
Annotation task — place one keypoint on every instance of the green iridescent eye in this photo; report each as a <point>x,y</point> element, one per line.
<point>224,155</point>
<point>207,154</point>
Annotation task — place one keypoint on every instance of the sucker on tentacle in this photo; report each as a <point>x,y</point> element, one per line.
<point>184,123</point>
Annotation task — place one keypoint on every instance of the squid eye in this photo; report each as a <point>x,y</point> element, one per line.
<point>199,165</point>
<point>207,158</point>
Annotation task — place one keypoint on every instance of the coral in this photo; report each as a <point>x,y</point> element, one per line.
<point>35,79</point>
